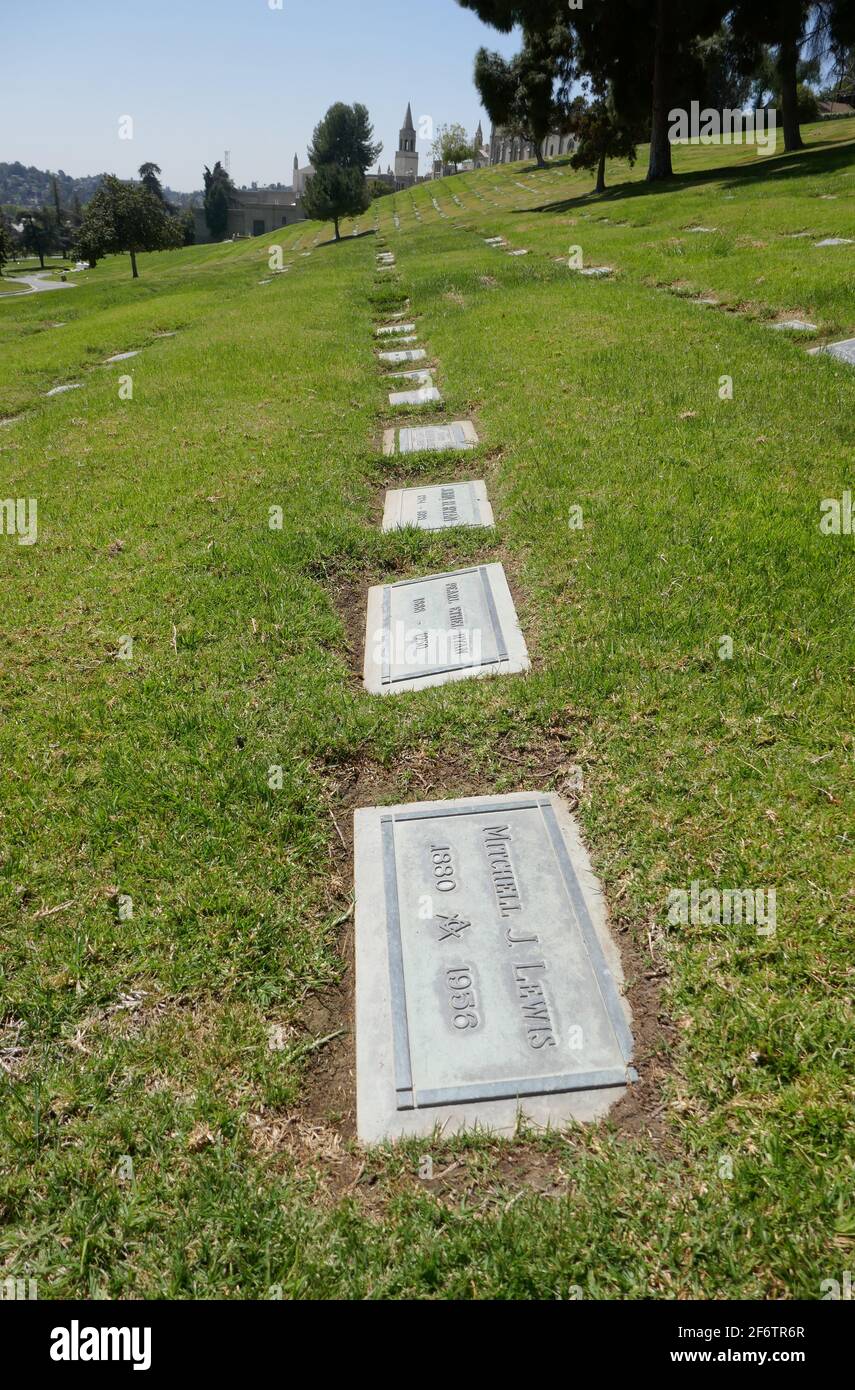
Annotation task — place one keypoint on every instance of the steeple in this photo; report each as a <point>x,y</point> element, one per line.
<point>406,158</point>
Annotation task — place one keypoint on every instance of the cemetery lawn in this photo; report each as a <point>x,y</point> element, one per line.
<point>176,1116</point>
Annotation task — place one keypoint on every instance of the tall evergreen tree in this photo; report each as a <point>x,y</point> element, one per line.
<point>332,193</point>
<point>150,179</point>
<point>342,149</point>
<point>344,138</point>
<point>219,190</point>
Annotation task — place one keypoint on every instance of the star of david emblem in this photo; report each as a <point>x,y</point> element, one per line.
<point>452,927</point>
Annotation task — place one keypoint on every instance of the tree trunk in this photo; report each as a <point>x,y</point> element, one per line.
<point>660,146</point>
<point>134,265</point>
<point>601,174</point>
<point>788,57</point>
<point>335,224</point>
<point>538,148</point>
<point>41,258</point>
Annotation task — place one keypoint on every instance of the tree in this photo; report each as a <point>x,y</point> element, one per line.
<point>801,34</point>
<point>638,47</point>
<point>38,234</point>
<point>452,146</point>
<point>187,223</point>
<point>5,243</point>
<point>344,138</point>
<point>125,217</point>
<point>342,149</point>
<point>526,95</point>
<point>150,179</point>
<point>601,135</point>
<point>218,195</point>
<point>332,193</point>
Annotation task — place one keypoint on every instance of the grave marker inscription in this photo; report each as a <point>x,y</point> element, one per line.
<point>486,978</point>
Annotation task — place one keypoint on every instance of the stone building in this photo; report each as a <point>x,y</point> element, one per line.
<point>253,212</point>
<point>506,148</point>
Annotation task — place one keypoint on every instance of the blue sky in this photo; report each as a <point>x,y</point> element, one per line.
<point>203,76</point>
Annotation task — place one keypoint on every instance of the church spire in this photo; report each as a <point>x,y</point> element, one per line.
<point>408,120</point>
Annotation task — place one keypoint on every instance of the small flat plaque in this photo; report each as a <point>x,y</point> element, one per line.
<point>423,395</point>
<point>389,330</point>
<point>794,326</point>
<point>459,435</point>
<point>444,627</point>
<point>487,982</point>
<point>423,375</point>
<point>436,507</point>
<point>407,355</point>
<point>834,241</point>
<point>844,352</point>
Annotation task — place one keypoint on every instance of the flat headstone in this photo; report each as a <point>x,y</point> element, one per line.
<point>702,229</point>
<point>459,435</point>
<point>795,326</point>
<point>495,241</point>
<point>843,351</point>
<point>389,329</point>
<point>406,355</point>
<point>120,357</point>
<point>265,282</point>
<point>70,386</point>
<point>438,506</point>
<point>794,236</point>
<point>487,981</point>
<point>596,270</point>
<point>423,375</point>
<point>444,627</point>
<point>835,241</point>
<point>424,395</point>
<point>517,253</point>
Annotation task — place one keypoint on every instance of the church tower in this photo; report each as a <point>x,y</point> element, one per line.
<point>406,157</point>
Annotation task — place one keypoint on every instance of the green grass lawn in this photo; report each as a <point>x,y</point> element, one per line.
<point>207,1036</point>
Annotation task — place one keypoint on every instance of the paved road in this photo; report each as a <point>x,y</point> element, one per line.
<point>37,282</point>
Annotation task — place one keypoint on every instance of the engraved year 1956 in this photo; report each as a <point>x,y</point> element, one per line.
<point>464,1004</point>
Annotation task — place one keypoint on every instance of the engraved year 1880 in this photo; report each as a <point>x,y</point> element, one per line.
<point>443,868</point>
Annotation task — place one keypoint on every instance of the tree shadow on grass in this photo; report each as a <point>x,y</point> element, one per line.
<point>822,160</point>
<point>345,239</point>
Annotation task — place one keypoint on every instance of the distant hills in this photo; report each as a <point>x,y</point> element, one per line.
<point>24,186</point>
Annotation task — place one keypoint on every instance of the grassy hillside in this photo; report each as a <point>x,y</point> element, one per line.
<point>207,1036</point>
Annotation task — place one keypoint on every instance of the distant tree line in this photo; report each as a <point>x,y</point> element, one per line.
<point>24,186</point>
